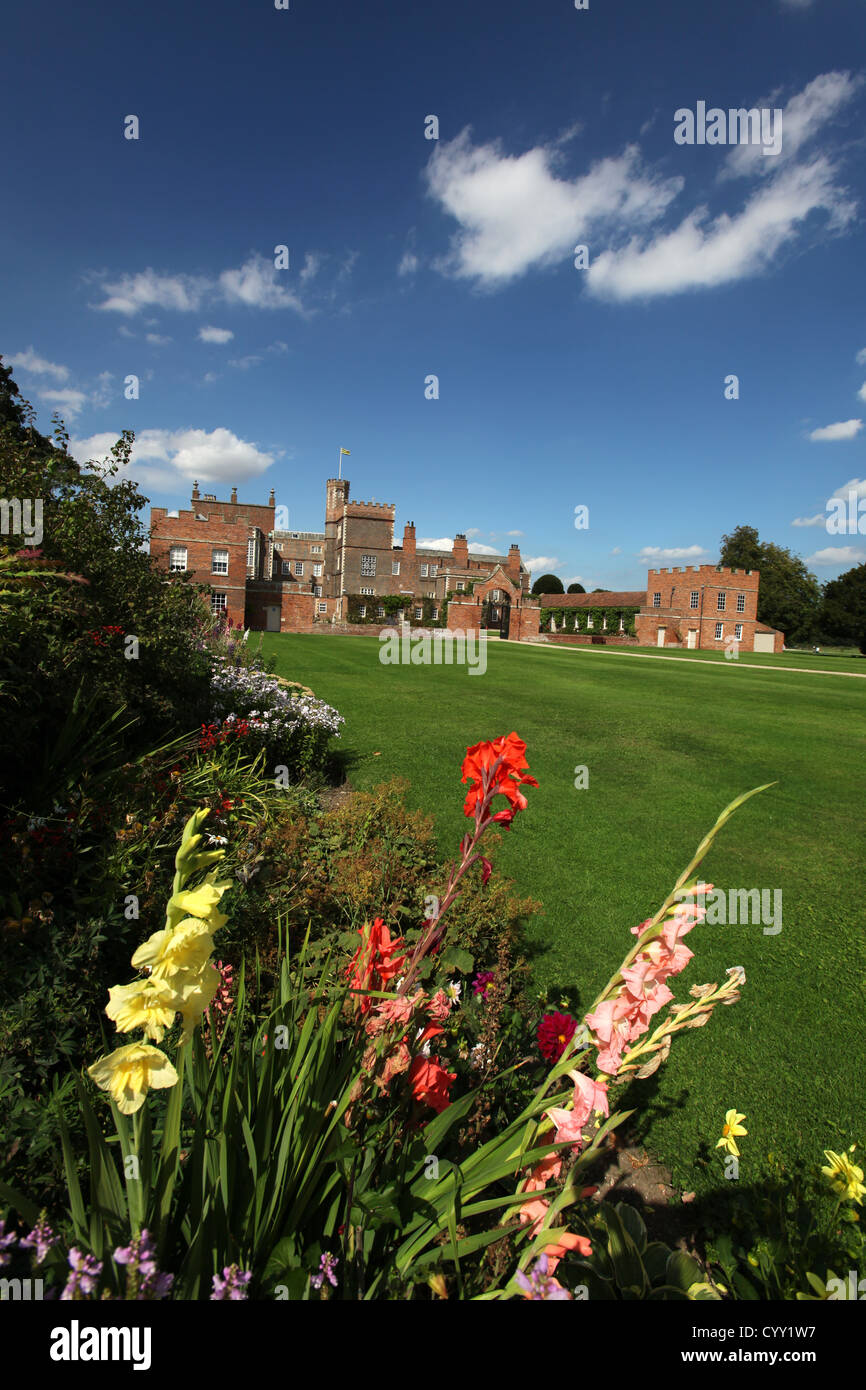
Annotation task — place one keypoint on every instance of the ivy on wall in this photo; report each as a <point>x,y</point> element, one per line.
<point>395,605</point>
<point>589,620</point>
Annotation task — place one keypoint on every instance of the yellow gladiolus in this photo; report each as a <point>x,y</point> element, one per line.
<point>147,1004</point>
<point>130,1072</point>
<point>166,952</point>
<point>200,902</point>
<point>731,1130</point>
<point>195,989</point>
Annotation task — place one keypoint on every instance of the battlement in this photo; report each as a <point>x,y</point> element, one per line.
<point>375,506</point>
<point>709,572</point>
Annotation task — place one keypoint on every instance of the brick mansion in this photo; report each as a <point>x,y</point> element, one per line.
<point>348,576</point>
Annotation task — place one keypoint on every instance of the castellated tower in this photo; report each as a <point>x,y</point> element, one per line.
<point>336,497</point>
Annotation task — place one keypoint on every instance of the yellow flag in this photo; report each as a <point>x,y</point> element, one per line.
<point>345,451</point>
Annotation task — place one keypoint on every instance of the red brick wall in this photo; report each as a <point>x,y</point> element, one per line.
<point>201,538</point>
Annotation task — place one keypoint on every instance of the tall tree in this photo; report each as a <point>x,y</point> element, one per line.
<point>789,596</point>
<point>548,584</point>
<point>843,614</point>
<point>575,589</point>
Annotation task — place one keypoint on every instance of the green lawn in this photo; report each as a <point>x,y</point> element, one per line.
<point>667,746</point>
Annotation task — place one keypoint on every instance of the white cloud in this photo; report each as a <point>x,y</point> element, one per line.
<point>837,556</point>
<point>704,252</point>
<point>819,519</point>
<point>132,293</point>
<point>802,119</point>
<point>842,429</point>
<point>30,361</point>
<point>515,213</point>
<point>855,485</point>
<point>478,549</point>
<point>257,284</point>
<point>408,263</point>
<point>103,392</point>
<point>861,357</point>
<point>541,562</point>
<point>208,334</point>
<point>171,459</point>
<point>862,392</point>
<point>69,401</point>
<point>311,267</point>
<point>436,543</point>
<point>617,550</point>
<point>471,531</point>
<point>157,339</point>
<point>514,533</point>
<point>682,552</point>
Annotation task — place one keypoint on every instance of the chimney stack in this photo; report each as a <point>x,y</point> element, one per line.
<point>195,492</point>
<point>409,540</point>
<point>460,551</point>
<point>234,495</point>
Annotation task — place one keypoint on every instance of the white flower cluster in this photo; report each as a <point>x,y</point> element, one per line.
<point>241,692</point>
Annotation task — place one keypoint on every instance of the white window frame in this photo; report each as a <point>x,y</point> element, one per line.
<point>213,562</point>
<point>721,602</point>
<point>741,603</point>
<point>720,631</point>
<point>362,611</point>
<point>298,568</point>
<point>435,615</point>
<point>694,599</point>
<point>323,608</point>
<point>368,592</point>
<point>173,566</point>
<point>434,570</point>
<point>317,571</point>
<point>217,607</point>
<point>368,566</point>
<point>419,614</point>
<point>657,600</point>
<point>738,632</point>
<point>395,566</point>
<point>317,591</point>
<point>315,549</point>
<point>461,586</point>
<point>380,611</point>
<point>424,569</point>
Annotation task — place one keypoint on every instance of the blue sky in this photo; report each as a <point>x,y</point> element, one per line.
<point>410,257</point>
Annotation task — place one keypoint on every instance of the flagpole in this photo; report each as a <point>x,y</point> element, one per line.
<point>340,472</point>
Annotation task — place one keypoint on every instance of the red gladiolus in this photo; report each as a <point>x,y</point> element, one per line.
<point>430,1082</point>
<point>555,1032</point>
<point>374,963</point>
<point>510,775</point>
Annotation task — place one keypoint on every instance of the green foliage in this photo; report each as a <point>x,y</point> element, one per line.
<point>548,584</point>
<point>68,617</point>
<point>590,620</point>
<point>789,596</point>
<point>625,1265</point>
<point>775,1236</point>
<point>843,610</point>
<point>575,589</point>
